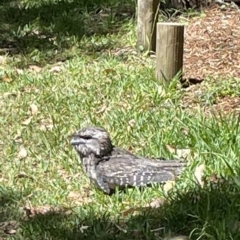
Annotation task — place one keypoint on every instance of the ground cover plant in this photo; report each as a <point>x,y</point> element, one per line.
<point>68,64</point>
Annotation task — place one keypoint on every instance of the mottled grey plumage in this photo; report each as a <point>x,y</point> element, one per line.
<point>109,167</point>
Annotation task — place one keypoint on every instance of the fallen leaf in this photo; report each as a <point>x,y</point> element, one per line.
<point>74,195</point>
<point>131,122</point>
<point>213,178</point>
<point>82,228</point>
<point>7,79</point>
<point>180,153</point>
<point>35,68</point>
<point>109,70</point>
<point>64,175</point>
<point>9,227</point>
<point>68,212</point>
<point>19,71</point>
<point>195,197</point>
<point>34,109</point>
<point>161,91</point>
<point>236,226</point>
<point>198,173</point>
<point>8,94</point>
<point>131,211</point>
<point>10,231</point>
<point>41,210</point>
<point>22,153</point>
<point>168,185</point>
<point>27,121</point>
<point>102,109</point>
<point>123,104</point>
<point>177,238</point>
<point>56,69</point>
<point>18,137</point>
<point>156,203</point>
<point>3,59</point>
<point>46,124</point>
<point>121,229</point>
<point>185,131</point>
<point>79,198</point>
<point>24,175</point>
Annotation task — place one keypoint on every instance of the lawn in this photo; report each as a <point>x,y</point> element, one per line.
<point>69,64</point>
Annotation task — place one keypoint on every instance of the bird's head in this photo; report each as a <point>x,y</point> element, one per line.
<point>91,140</point>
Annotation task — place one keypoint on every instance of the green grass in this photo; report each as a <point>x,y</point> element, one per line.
<point>95,84</point>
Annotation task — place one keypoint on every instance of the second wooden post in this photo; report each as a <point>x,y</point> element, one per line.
<point>169,51</point>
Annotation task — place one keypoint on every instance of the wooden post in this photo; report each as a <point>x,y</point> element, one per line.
<point>147,11</point>
<point>169,51</point>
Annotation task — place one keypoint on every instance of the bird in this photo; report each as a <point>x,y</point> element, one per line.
<point>109,167</point>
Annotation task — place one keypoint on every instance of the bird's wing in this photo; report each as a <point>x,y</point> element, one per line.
<point>128,170</point>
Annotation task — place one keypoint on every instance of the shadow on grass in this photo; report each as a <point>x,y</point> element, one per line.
<point>50,27</point>
<point>210,213</point>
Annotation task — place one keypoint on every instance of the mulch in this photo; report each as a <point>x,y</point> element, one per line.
<point>212,50</point>
<point>212,44</point>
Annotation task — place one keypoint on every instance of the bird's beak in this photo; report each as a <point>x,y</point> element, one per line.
<point>76,141</point>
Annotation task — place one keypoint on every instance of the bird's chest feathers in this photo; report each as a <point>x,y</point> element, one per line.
<point>89,166</point>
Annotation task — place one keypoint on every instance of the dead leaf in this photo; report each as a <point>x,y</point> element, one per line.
<point>109,70</point>
<point>79,198</point>
<point>156,203</point>
<point>11,231</point>
<point>9,227</point>
<point>64,175</point>
<point>35,68</point>
<point>34,109</point>
<point>24,175</point>
<point>22,153</point>
<point>180,153</point>
<point>46,124</point>
<point>185,131</point>
<point>102,109</point>
<point>82,228</point>
<point>131,210</point>
<point>40,210</point>
<point>9,94</point>
<point>131,122</point>
<point>19,71</point>
<point>213,178</point>
<point>3,59</point>
<point>18,137</point>
<point>56,69</point>
<point>236,226</point>
<point>168,185</point>
<point>7,79</point>
<point>27,121</point>
<point>177,238</point>
<point>198,173</point>
<point>161,91</point>
<point>68,212</point>
<point>121,229</point>
<point>196,198</point>
<point>123,105</point>
<point>74,195</point>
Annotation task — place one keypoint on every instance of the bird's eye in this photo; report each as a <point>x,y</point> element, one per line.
<point>86,137</point>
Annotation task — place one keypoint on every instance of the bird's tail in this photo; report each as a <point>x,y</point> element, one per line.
<point>167,171</point>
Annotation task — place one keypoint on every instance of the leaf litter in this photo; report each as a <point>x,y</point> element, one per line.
<point>211,48</point>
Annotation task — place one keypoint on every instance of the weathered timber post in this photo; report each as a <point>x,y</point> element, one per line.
<point>147,11</point>
<point>169,51</point>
